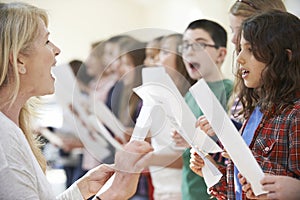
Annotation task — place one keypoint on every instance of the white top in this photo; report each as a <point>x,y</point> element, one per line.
<point>165,180</point>
<point>21,177</point>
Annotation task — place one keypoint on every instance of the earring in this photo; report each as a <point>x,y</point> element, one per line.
<point>22,70</point>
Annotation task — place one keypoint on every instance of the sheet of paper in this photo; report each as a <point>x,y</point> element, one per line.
<point>160,127</point>
<point>229,136</point>
<point>64,84</point>
<point>159,89</point>
<point>93,142</point>
<point>67,93</point>
<point>143,124</point>
<point>104,132</point>
<point>196,139</point>
<point>109,119</point>
<point>161,137</point>
<point>140,132</point>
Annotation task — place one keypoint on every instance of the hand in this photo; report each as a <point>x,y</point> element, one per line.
<point>281,187</point>
<point>204,125</point>
<point>128,165</point>
<point>196,162</point>
<point>134,157</point>
<point>94,179</point>
<point>178,139</point>
<point>246,187</point>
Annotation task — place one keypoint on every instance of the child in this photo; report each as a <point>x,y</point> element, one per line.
<point>171,59</point>
<point>152,51</point>
<point>269,90</point>
<point>166,172</point>
<point>203,50</point>
<point>238,12</point>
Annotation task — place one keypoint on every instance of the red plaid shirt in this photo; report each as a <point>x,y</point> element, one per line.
<point>276,147</point>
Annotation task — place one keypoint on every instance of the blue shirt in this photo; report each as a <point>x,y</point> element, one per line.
<point>247,135</point>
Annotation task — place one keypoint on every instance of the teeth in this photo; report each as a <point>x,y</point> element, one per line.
<point>245,72</point>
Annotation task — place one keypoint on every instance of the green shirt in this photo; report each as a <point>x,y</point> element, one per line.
<point>193,185</point>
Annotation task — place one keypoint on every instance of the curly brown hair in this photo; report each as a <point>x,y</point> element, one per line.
<point>274,38</point>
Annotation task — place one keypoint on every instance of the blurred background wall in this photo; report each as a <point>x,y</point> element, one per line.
<point>75,24</point>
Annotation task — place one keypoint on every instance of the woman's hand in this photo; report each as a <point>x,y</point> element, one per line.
<point>129,163</point>
<point>94,179</point>
<point>134,157</point>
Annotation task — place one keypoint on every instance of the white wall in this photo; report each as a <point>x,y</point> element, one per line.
<point>75,24</point>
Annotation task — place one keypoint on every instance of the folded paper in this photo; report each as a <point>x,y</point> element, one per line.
<point>159,89</point>
<point>232,141</point>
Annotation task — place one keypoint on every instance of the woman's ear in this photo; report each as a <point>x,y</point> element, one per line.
<point>222,54</point>
<point>20,63</point>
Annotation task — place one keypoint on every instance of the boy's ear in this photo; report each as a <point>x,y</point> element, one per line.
<point>222,54</point>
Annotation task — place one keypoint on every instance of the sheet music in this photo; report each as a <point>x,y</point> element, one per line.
<point>101,128</point>
<point>184,126</point>
<point>68,94</point>
<point>232,141</point>
<point>158,88</point>
<point>64,84</point>
<point>140,132</point>
<point>109,119</point>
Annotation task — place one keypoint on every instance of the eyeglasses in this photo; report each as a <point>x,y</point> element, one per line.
<point>248,3</point>
<point>198,46</point>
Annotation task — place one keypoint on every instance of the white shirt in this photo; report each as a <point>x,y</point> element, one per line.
<point>165,180</point>
<point>21,177</point>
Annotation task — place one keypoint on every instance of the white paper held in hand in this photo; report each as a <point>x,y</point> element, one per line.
<point>161,90</point>
<point>211,174</point>
<point>232,141</point>
<point>105,133</point>
<point>109,119</point>
<point>140,132</point>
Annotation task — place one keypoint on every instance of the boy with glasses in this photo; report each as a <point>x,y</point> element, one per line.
<point>203,50</point>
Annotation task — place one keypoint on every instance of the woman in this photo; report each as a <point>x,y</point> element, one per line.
<point>27,56</point>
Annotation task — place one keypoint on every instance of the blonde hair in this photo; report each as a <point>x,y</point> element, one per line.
<point>19,23</point>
